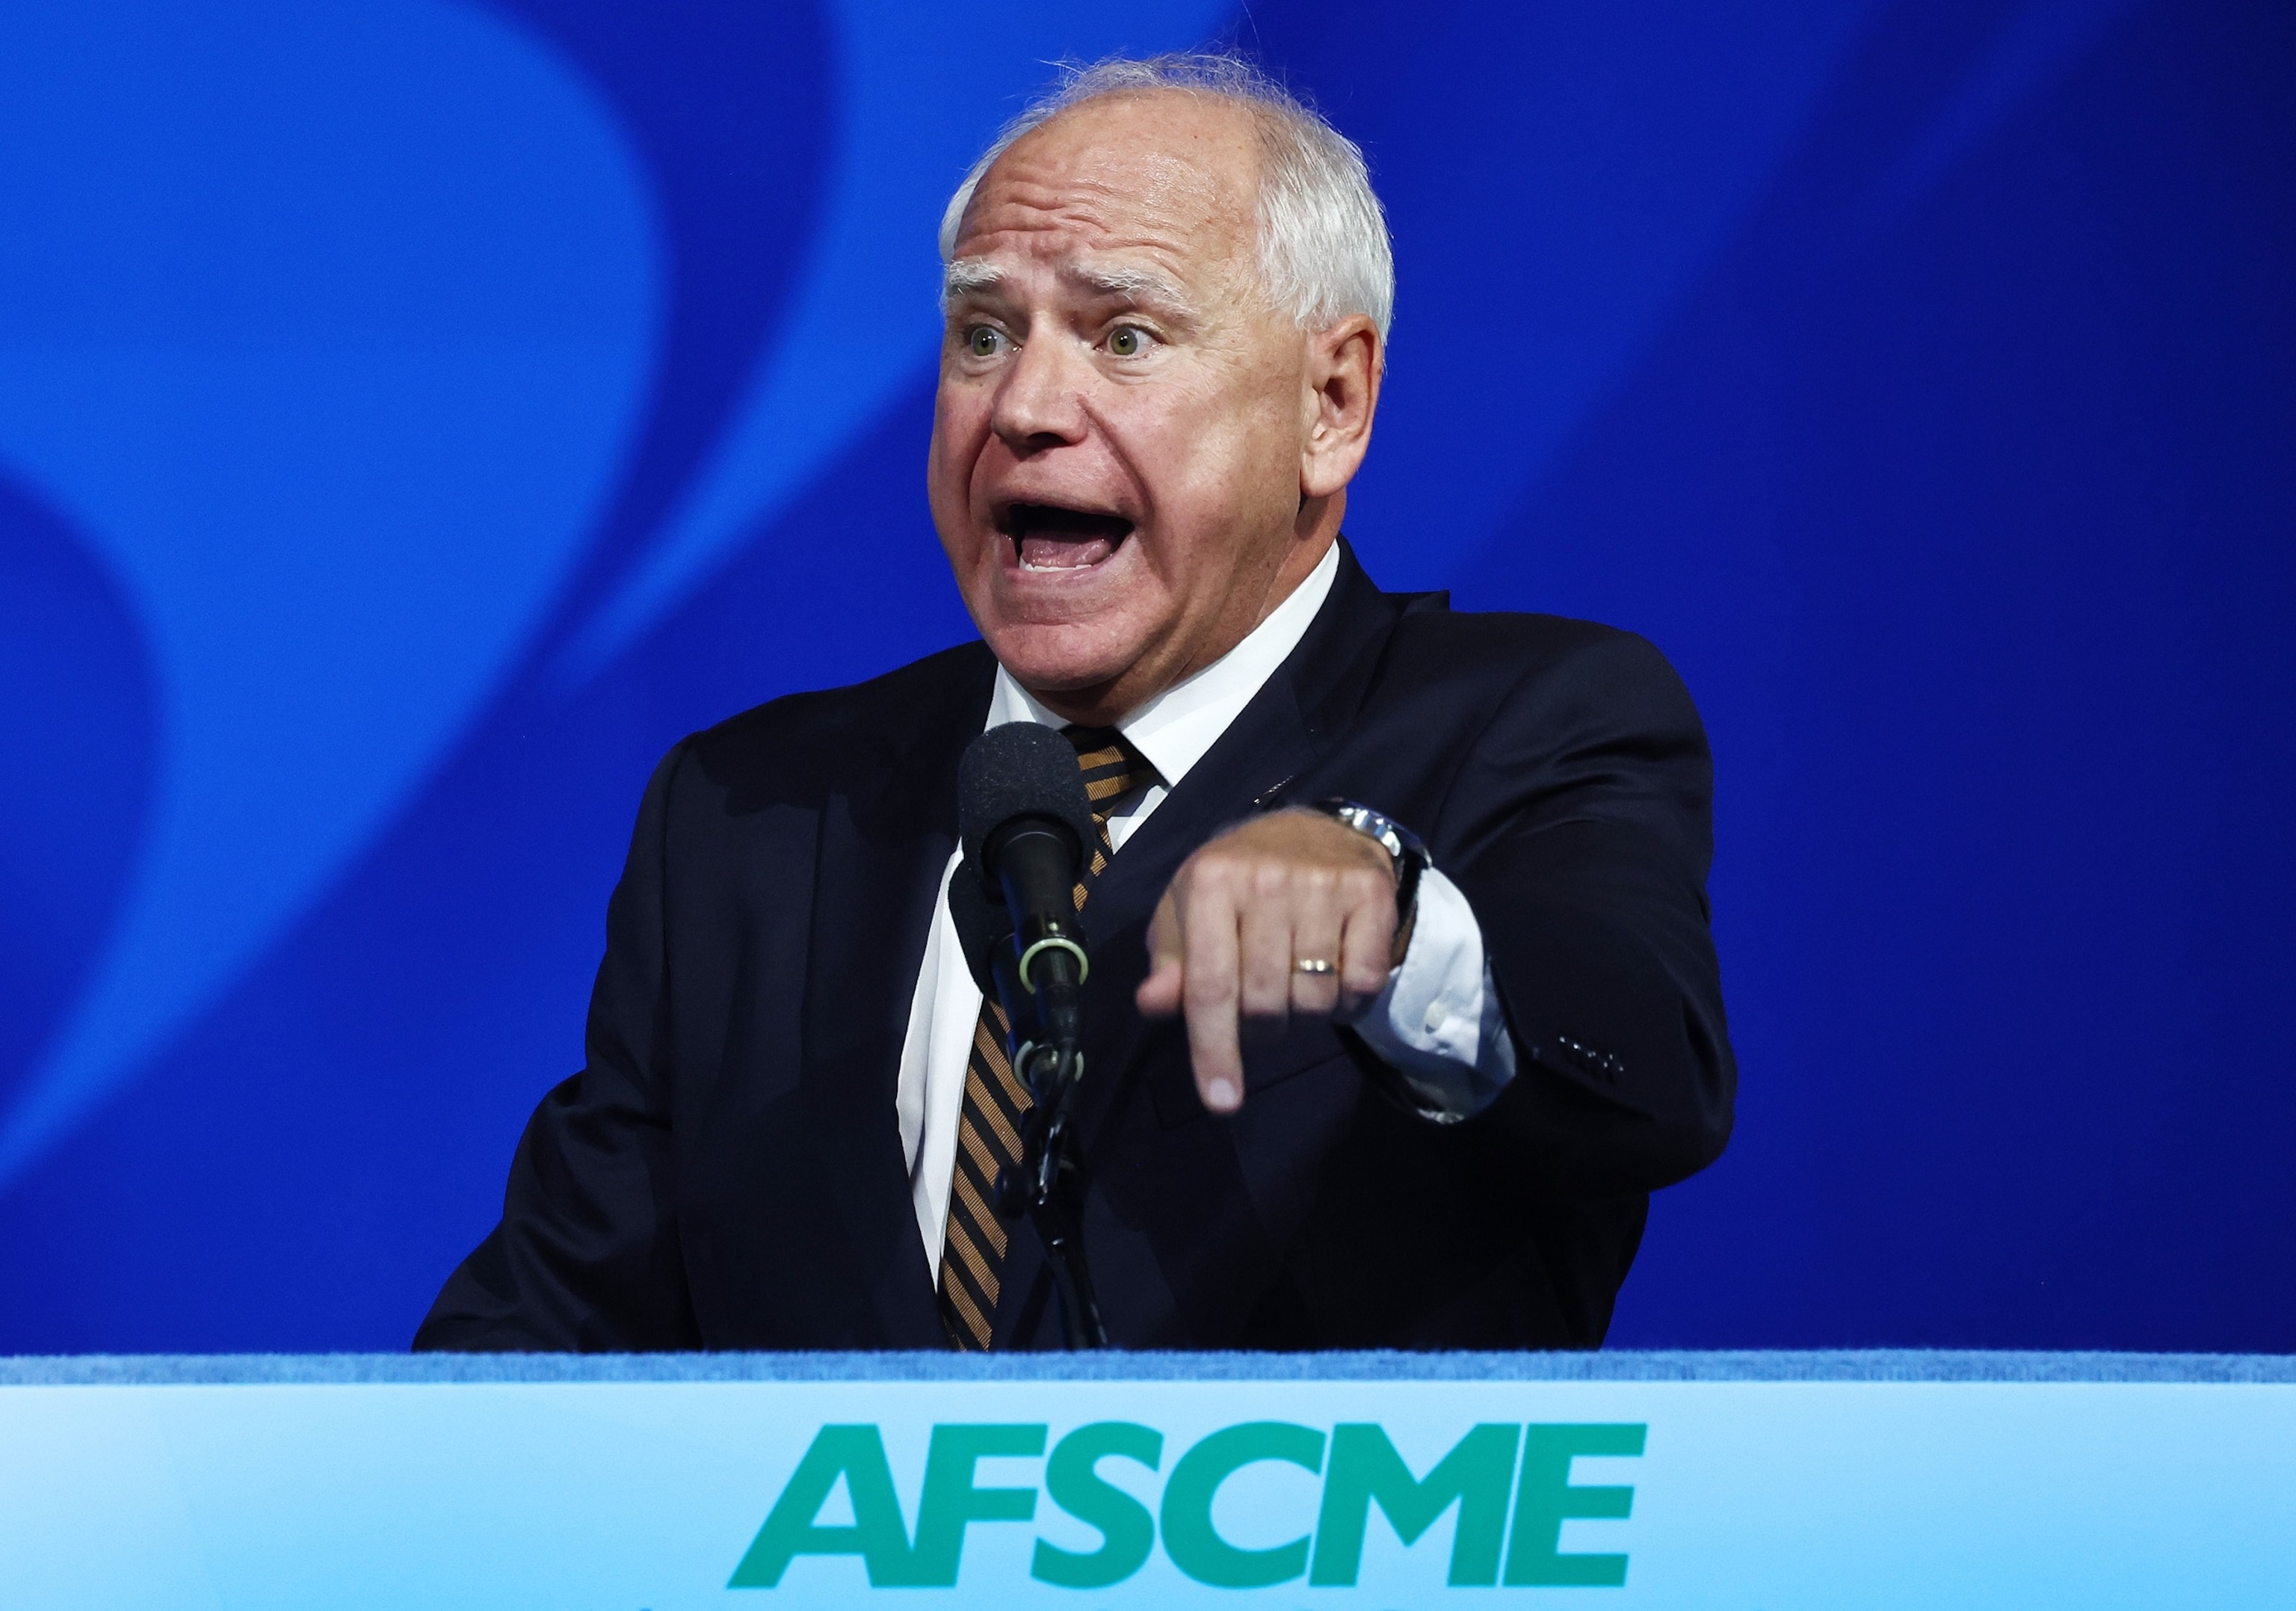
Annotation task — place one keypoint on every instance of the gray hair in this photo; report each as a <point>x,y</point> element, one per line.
<point>1324,248</point>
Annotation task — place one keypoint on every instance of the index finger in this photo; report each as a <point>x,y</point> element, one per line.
<point>1209,991</point>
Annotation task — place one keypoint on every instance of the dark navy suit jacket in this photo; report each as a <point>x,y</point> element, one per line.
<point>726,1172</point>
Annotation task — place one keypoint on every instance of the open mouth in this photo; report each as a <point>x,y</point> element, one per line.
<point>1047,537</point>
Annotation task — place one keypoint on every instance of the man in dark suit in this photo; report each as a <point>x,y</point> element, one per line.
<point>1402,998</point>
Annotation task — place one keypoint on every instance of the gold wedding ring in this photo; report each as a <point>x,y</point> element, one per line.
<point>1313,965</point>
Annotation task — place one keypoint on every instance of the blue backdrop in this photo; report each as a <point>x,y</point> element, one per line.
<point>414,416</point>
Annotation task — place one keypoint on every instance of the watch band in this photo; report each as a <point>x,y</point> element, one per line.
<point>1411,857</point>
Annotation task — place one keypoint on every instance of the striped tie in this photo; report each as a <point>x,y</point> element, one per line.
<point>995,1101</point>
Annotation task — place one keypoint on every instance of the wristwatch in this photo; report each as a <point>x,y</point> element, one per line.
<point>1411,859</point>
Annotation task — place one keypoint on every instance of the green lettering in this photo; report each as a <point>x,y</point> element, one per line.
<point>950,1502</point>
<point>1072,1479</point>
<point>1544,1500</point>
<point>1190,1538</point>
<point>1364,1468</point>
<point>878,1535</point>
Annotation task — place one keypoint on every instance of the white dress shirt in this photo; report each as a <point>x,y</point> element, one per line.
<point>1438,1023</point>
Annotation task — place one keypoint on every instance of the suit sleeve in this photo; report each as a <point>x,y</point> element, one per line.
<point>1583,826</point>
<point>586,1255</point>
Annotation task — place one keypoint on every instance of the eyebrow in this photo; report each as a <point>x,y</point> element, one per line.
<point>1134,284</point>
<point>972,277</point>
<point>967,277</point>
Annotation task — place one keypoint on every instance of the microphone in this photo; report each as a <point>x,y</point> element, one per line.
<point>1026,822</point>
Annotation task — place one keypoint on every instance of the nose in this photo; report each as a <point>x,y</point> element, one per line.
<point>1040,399</point>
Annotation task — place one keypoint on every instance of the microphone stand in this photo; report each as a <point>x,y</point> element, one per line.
<point>1046,1183</point>
<point>1046,1176</point>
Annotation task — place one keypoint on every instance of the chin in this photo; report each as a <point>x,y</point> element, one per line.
<point>1059,657</point>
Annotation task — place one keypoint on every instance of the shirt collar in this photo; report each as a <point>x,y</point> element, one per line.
<point>1178,727</point>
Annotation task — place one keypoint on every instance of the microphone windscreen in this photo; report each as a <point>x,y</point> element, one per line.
<point>1022,768</point>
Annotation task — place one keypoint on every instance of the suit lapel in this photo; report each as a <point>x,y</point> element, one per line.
<point>1273,742</point>
<point>887,831</point>
<point>1266,758</point>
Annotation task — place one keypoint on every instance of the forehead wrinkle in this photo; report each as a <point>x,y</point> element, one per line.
<point>1093,208</point>
<point>1088,252</point>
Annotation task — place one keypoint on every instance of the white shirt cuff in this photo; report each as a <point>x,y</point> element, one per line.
<point>1438,1023</point>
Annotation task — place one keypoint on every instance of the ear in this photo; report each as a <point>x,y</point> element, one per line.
<point>1339,397</point>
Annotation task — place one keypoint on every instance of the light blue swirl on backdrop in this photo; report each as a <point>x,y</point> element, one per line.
<point>326,326</point>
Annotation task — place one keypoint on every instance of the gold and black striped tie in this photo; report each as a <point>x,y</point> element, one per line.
<point>995,1101</point>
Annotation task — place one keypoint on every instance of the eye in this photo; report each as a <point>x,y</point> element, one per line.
<point>1128,340</point>
<point>984,340</point>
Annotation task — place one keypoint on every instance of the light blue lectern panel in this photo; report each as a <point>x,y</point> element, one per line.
<point>1761,1484</point>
